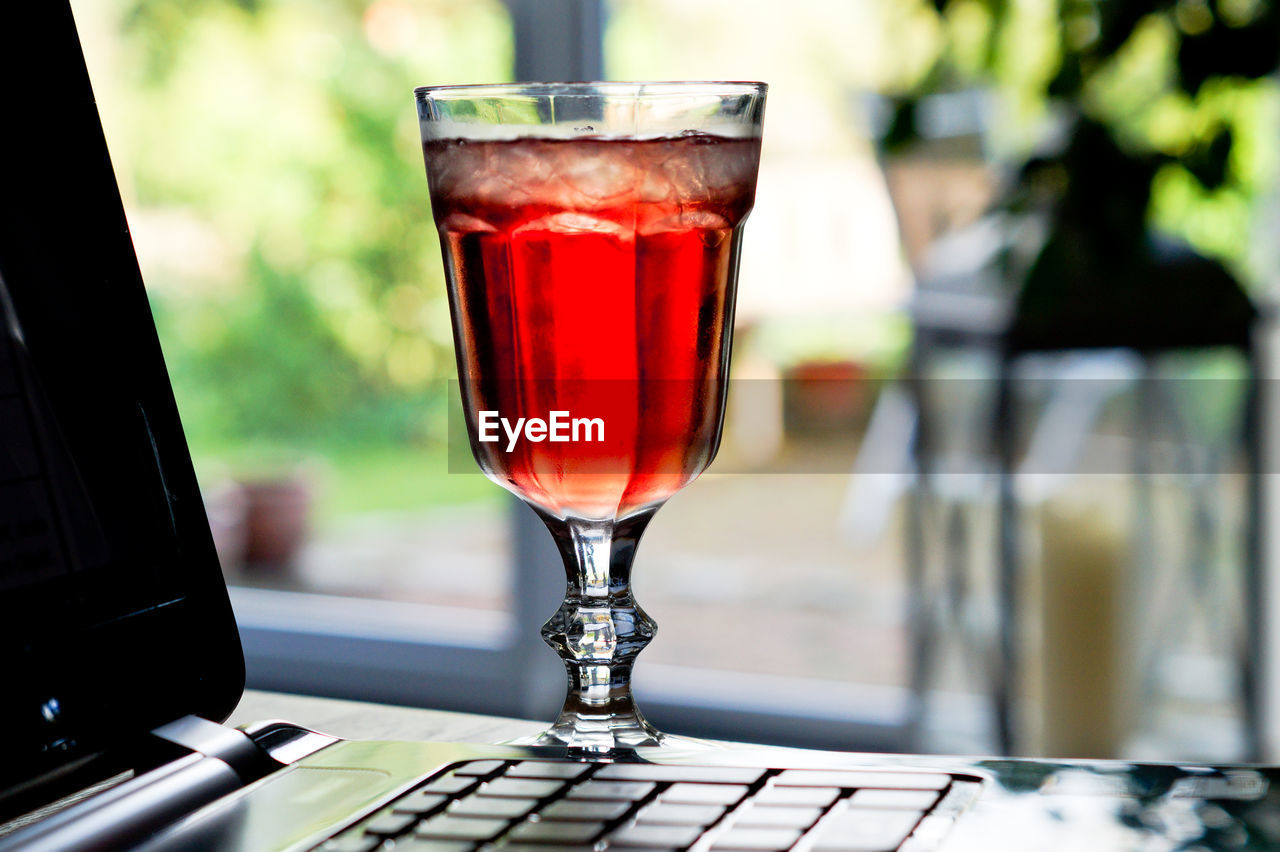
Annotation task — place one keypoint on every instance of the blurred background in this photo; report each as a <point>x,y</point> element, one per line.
<point>994,474</point>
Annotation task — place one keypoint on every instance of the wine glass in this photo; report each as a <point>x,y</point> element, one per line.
<point>591,234</point>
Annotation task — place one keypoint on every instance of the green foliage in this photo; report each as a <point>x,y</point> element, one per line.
<point>269,154</point>
<point>276,370</point>
<point>1186,84</point>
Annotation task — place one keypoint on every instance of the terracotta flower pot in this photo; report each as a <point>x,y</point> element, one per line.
<point>278,519</point>
<point>825,397</point>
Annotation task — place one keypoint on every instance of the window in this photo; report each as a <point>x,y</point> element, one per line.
<point>269,159</point>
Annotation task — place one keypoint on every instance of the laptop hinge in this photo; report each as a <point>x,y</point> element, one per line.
<point>123,814</point>
<point>210,739</point>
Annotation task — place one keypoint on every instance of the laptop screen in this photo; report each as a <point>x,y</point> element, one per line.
<point>113,614</point>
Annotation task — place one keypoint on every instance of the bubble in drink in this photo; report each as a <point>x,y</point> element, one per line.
<point>594,276</point>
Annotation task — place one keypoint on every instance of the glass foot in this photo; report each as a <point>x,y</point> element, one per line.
<point>608,743</point>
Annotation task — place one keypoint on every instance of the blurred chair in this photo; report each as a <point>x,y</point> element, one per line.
<point>1099,302</point>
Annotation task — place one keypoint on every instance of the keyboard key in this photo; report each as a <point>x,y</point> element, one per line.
<point>612,790</point>
<point>931,831</point>
<point>450,784</point>
<point>911,800</point>
<point>421,803</point>
<point>479,768</point>
<point>584,810</point>
<point>354,842</point>
<point>690,774</point>
<point>538,847</point>
<point>446,827</point>
<point>522,788</point>
<point>556,833</point>
<point>864,830</point>
<point>492,807</point>
<point>418,844</point>
<point>877,780</point>
<point>671,813</point>
<point>810,797</point>
<point>668,836</point>
<point>757,839</point>
<point>704,794</point>
<point>548,769</point>
<point>776,816</point>
<point>389,825</point>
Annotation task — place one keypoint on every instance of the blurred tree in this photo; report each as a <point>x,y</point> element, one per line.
<point>270,153</point>
<point>1179,90</point>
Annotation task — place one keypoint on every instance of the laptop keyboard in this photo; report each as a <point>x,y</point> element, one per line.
<point>561,806</point>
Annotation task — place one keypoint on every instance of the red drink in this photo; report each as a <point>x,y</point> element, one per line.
<point>593,277</point>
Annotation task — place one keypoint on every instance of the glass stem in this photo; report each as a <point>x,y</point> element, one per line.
<point>598,631</point>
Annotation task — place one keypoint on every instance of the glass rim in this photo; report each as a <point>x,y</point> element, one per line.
<point>592,88</point>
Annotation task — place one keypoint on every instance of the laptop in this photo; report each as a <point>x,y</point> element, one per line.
<point>121,655</point>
